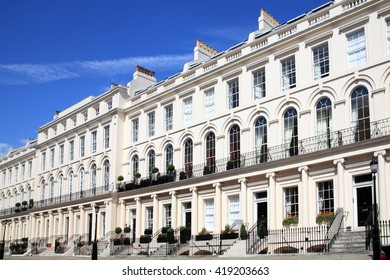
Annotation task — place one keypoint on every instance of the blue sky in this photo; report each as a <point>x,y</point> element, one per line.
<point>55,53</point>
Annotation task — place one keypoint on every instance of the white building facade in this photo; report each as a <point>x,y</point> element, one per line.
<point>281,126</point>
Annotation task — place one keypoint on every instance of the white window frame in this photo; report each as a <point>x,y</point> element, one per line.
<point>71,150</point>
<point>168,215</point>
<point>82,146</point>
<point>169,117</point>
<point>151,123</point>
<point>234,208</point>
<point>356,48</point>
<point>187,111</point>
<point>134,130</point>
<point>321,62</point>
<point>233,87</point>
<point>149,217</point>
<point>61,154</point>
<point>209,102</point>
<point>259,83</point>
<point>106,137</point>
<point>291,201</point>
<point>209,214</point>
<point>325,199</point>
<point>94,141</point>
<point>289,74</point>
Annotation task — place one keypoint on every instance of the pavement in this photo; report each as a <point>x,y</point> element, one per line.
<point>314,256</point>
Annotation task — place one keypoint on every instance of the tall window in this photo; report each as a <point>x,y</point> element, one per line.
<point>135,165</point>
<point>356,48</point>
<point>82,146</point>
<point>235,145</point>
<point>71,184</point>
<point>209,214</point>
<point>134,128</point>
<point>22,171</point>
<point>52,157</point>
<point>106,175</point>
<point>106,137</point>
<point>151,161</point>
<point>234,209</point>
<point>210,152</point>
<point>168,156</point>
<point>29,172</point>
<point>388,35</point>
<point>71,150</point>
<point>209,103</point>
<point>169,117</point>
<point>149,217</point>
<point>81,181</point>
<point>61,187</point>
<point>188,157</point>
<point>51,190</point>
<point>16,174</point>
<point>43,190</point>
<point>291,201</point>
<point>233,94</point>
<point>321,61</point>
<point>259,84</point>
<point>93,178</point>
<point>360,118</point>
<point>94,141</point>
<point>291,132</point>
<point>324,122</point>
<point>43,162</point>
<point>151,124</point>
<point>187,118</point>
<point>168,215</point>
<point>288,73</point>
<point>325,197</point>
<point>261,140</point>
<point>61,159</point>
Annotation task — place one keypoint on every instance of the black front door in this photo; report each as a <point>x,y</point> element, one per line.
<point>364,204</point>
<point>134,226</point>
<point>262,217</point>
<point>90,228</point>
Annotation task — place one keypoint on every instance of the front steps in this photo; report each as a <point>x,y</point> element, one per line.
<point>350,242</point>
<point>238,249</point>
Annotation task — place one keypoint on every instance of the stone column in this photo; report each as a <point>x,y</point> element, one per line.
<point>71,223</point>
<point>31,228</point>
<point>271,200</point>
<point>243,199</point>
<point>42,226</point>
<point>340,182</point>
<point>122,210</point>
<point>20,228</point>
<point>217,207</point>
<point>82,220</point>
<point>173,209</point>
<point>304,214</point>
<point>13,229</point>
<point>108,217</point>
<point>381,185</point>
<point>51,239</point>
<point>155,213</point>
<point>61,222</point>
<point>194,213</point>
<point>138,217</point>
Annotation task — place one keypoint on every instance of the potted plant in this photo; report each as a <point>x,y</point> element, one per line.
<point>229,165</point>
<point>171,235</point>
<point>243,232</point>
<point>145,238</point>
<point>204,234</point>
<point>148,231</point>
<point>137,179</point>
<point>121,185</point>
<point>162,237</point>
<point>206,170</point>
<point>118,239</point>
<point>182,175</point>
<point>290,220</point>
<point>324,218</point>
<point>126,229</point>
<point>228,233</point>
<point>262,229</point>
<point>17,207</point>
<point>155,173</point>
<point>31,203</point>
<point>24,205</point>
<point>183,234</point>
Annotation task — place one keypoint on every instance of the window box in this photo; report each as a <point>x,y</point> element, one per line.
<point>229,235</point>
<point>203,237</point>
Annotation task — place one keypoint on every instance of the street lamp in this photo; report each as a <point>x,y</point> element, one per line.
<point>94,245</point>
<point>375,229</point>
<point>2,249</point>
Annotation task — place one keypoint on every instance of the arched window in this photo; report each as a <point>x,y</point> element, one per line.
<point>29,193</point>
<point>135,165</point>
<point>21,194</point>
<point>210,153</point>
<point>188,157</point>
<point>61,187</point>
<point>2,203</point>
<point>151,161</point>
<point>71,183</point>
<point>261,140</point>
<point>291,132</point>
<point>324,122</point>
<point>168,156</point>
<point>51,194</point>
<point>106,175</point>
<point>360,110</point>
<point>43,190</point>
<point>235,146</point>
<point>81,182</point>
<point>93,178</point>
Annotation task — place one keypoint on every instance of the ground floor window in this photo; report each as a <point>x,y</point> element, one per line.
<point>325,197</point>
<point>291,202</point>
<point>168,215</point>
<point>149,218</point>
<point>234,209</point>
<point>209,214</point>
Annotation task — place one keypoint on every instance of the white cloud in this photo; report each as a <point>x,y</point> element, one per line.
<point>42,73</point>
<point>4,149</point>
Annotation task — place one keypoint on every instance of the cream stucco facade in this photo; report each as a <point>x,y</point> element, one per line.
<point>298,110</point>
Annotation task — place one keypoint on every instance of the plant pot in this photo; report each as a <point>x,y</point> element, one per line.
<point>203,237</point>
<point>117,242</point>
<point>126,241</point>
<point>162,239</point>
<point>229,236</point>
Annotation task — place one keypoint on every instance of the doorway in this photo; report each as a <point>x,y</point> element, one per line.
<point>89,228</point>
<point>363,204</point>
<point>261,208</point>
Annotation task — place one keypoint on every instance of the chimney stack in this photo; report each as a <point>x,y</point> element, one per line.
<point>142,79</point>
<point>267,21</point>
